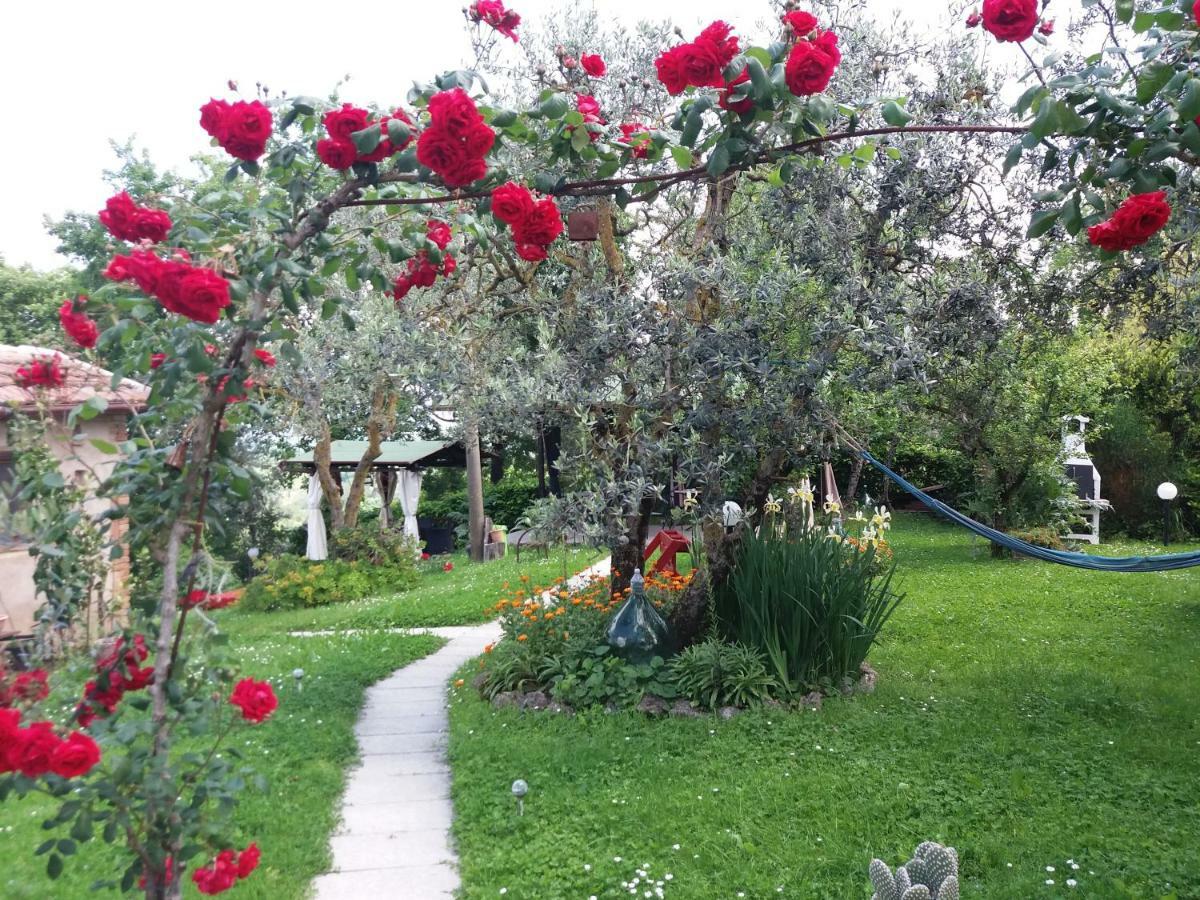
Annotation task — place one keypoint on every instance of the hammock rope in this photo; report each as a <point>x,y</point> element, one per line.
<point>1162,563</point>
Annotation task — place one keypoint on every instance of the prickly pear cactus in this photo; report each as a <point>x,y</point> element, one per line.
<point>932,874</point>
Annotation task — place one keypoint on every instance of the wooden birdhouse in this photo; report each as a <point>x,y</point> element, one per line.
<point>583,224</point>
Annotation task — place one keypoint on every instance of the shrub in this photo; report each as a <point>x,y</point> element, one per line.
<point>293,582</point>
<point>812,603</point>
<point>367,543</point>
<point>714,673</point>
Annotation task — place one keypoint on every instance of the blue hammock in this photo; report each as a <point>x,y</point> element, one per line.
<point>1162,563</point>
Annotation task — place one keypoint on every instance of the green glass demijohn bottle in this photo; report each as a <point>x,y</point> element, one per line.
<point>637,632</point>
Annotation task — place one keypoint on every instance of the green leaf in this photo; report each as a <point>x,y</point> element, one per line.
<point>545,182</point>
<point>54,866</point>
<point>1069,120</point>
<point>895,114</point>
<point>1152,79</point>
<point>694,120</point>
<point>763,89</point>
<point>1041,222</point>
<point>683,157</point>
<point>1189,100</point>
<point>398,132</point>
<point>1046,120</point>
<point>580,139</point>
<point>502,118</point>
<point>718,160</point>
<point>1072,217</point>
<point>554,107</point>
<point>106,447</point>
<point>366,140</point>
<point>1012,157</point>
<point>1124,11</point>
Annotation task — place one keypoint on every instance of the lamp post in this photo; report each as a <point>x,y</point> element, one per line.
<point>1166,493</point>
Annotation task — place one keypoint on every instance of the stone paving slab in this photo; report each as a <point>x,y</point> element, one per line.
<point>394,839</point>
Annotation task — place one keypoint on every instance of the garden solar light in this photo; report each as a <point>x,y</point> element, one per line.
<point>519,790</point>
<point>1166,493</point>
<point>298,674</point>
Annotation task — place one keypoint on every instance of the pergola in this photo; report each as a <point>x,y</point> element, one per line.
<point>400,463</point>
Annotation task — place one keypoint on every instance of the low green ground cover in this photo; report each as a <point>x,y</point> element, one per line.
<point>304,751</point>
<point>1040,719</point>
<point>462,596</point>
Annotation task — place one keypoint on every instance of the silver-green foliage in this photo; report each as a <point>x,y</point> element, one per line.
<point>932,874</point>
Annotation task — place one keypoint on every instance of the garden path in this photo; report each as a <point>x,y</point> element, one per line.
<point>394,840</point>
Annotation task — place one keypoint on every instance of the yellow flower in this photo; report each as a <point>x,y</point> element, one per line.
<point>772,505</point>
<point>459,683</point>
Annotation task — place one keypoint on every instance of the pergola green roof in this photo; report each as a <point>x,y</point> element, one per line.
<point>393,455</point>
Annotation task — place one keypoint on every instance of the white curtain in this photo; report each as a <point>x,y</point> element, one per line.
<point>317,547</point>
<point>410,495</point>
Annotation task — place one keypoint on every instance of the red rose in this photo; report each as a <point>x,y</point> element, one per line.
<point>212,118</point>
<point>31,686</point>
<point>75,756</point>
<point>1136,220</point>
<point>449,264</point>
<point>219,877</point>
<point>139,678</point>
<point>255,699</point>
<point>1046,28</point>
<point>439,233</point>
<point>421,271</point>
<point>801,23</point>
<point>119,268</point>
<point>742,106</point>
<point>448,567</point>
<point>81,329</point>
<point>454,110</point>
<point>247,127</point>
<point>157,359</point>
<point>590,107</point>
<point>439,150</point>
<point>341,123</point>
<point>511,203</point>
<point>337,154</point>
<point>382,150</point>
<point>118,215</point>
<point>202,295</point>
<point>702,64</point>
<point>974,19</point>
<point>10,738</point>
<point>401,286</point>
<point>1196,11</point>
<point>247,860</point>
<point>425,555</point>
<point>593,64</point>
<point>266,357</point>
<point>640,146</point>
<point>151,225</point>
<point>811,63</point>
<point>1010,20</point>
<point>531,252</point>
<point>34,749</point>
<point>493,13</point>
<point>542,226</point>
<point>671,72</point>
<point>46,372</point>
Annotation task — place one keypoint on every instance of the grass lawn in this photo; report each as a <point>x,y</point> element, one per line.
<point>304,750</point>
<point>459,597</point>
<point>1031,715</point>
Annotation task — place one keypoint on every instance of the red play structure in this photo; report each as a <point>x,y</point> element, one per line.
<point>669,543</point>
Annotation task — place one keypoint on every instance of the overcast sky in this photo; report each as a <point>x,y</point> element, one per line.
<point>141,69</point>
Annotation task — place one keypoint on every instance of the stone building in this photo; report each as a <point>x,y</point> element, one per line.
<point>80,460</point>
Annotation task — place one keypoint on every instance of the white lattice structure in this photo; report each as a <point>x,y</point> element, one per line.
<point>1083,472</point>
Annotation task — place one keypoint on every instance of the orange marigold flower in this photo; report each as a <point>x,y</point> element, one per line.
<point>522,637</point>
<point>576,601</point>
